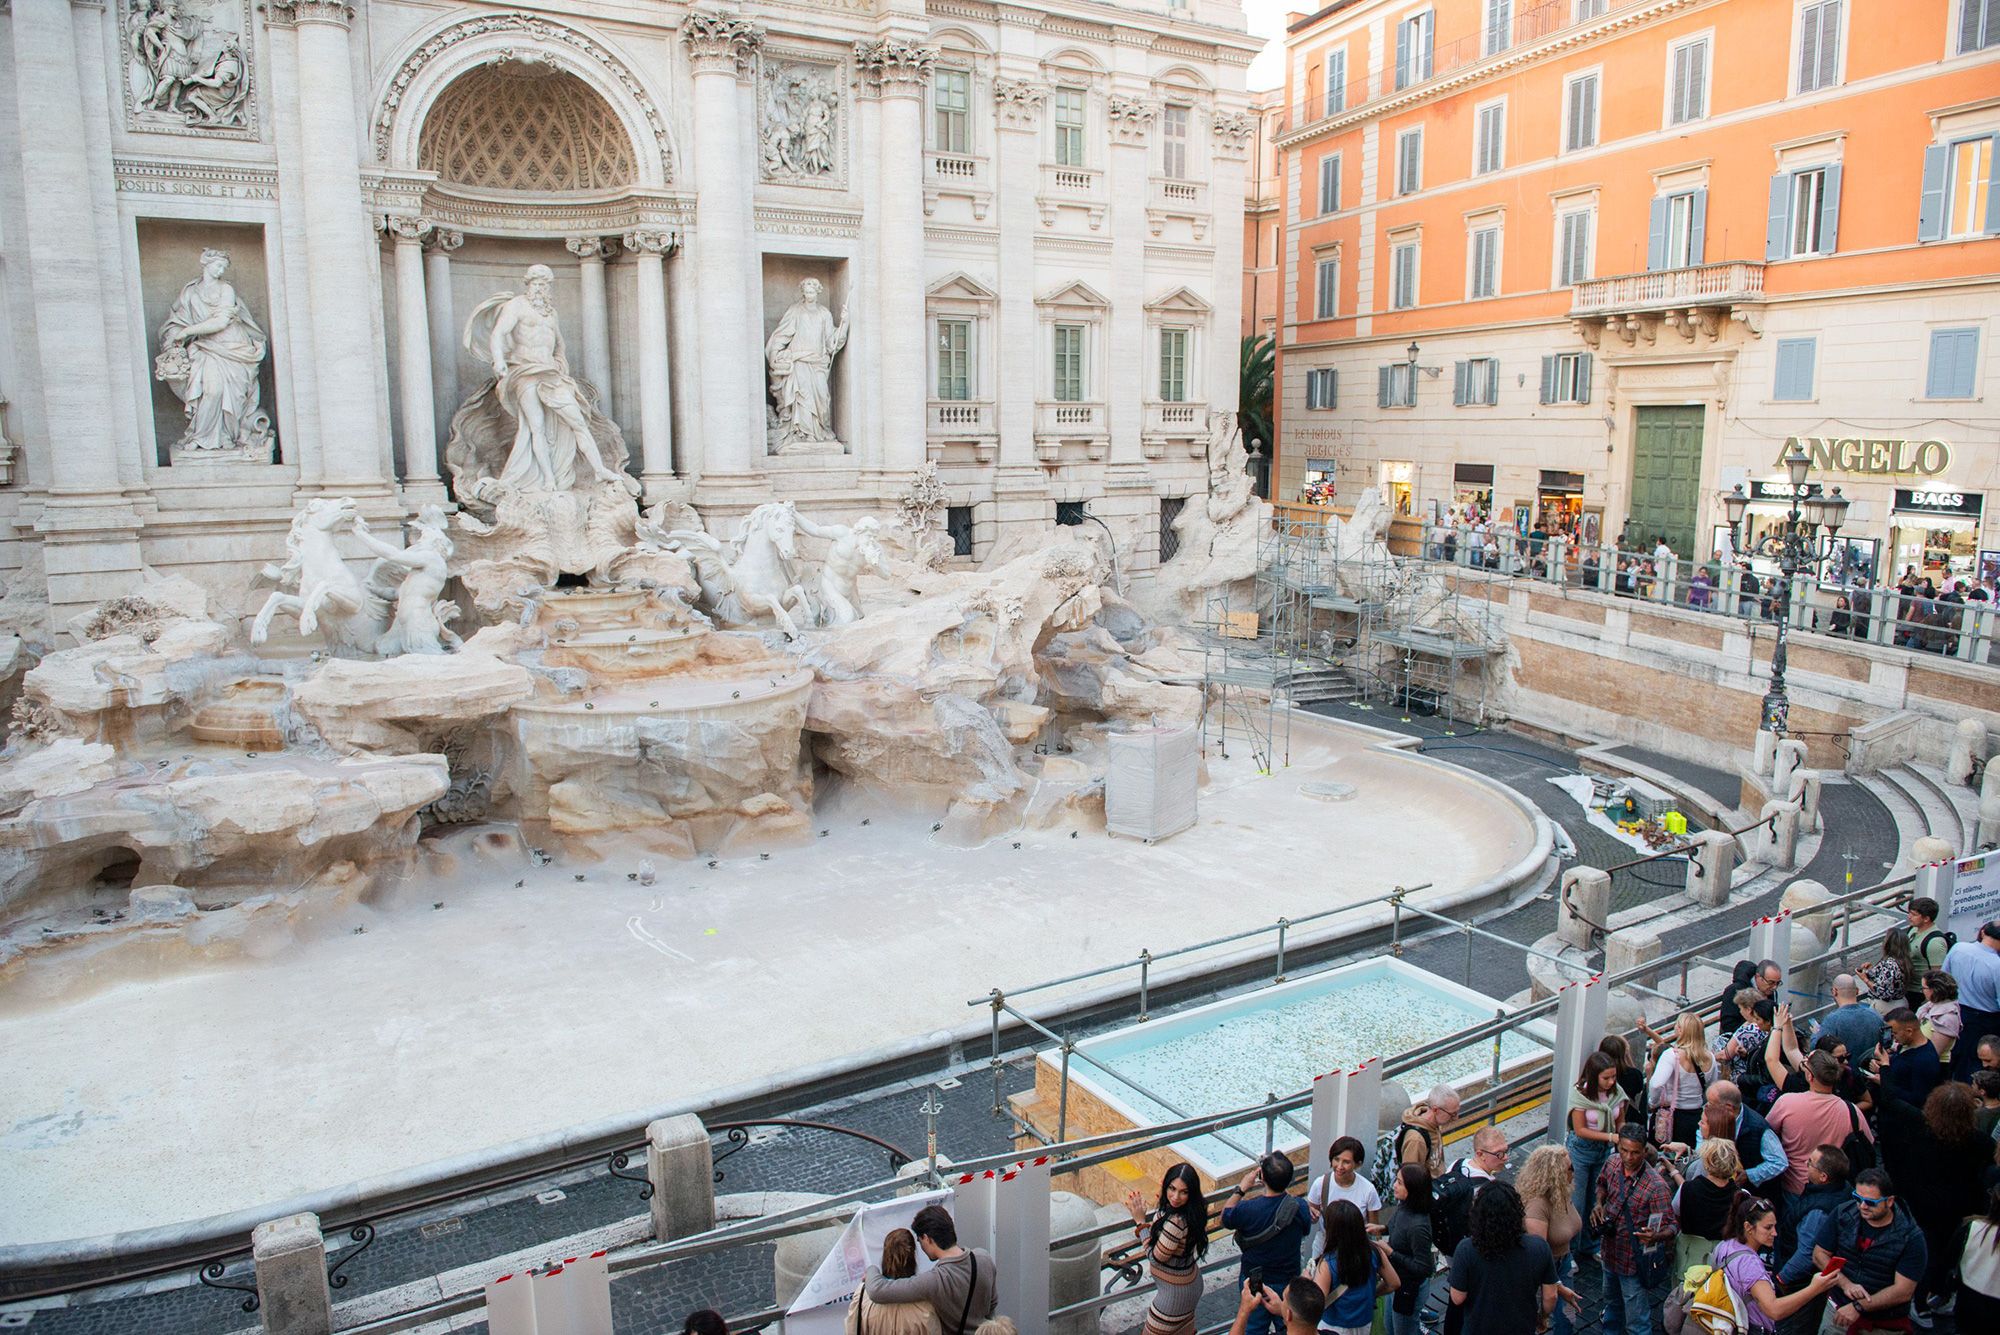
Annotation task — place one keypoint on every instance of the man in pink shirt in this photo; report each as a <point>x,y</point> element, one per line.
<point>1818,1117</point>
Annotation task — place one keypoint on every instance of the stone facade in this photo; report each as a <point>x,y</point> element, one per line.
<point>1032,214</point>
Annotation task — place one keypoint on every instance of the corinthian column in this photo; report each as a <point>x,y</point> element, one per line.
<point>413,353</point>
<point>339,251</point>
<point>720,47</point>
<point>438,248</point>
<point>900,70</point>
<point>656,406</point>
<point>88,529</point>
<point>591,252</point>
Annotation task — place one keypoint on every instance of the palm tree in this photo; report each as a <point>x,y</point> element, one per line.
<point>1256,382</point>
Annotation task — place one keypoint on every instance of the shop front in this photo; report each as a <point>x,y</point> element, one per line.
<point>1471,490</point>
<point>1934,531</point>
<point>1399,486</point>
<point>1559,503</point>
<point>1318,487</point>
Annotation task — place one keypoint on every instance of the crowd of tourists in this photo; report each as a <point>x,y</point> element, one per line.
<point>1756,1175</point>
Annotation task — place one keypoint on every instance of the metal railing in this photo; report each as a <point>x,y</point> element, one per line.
<point>1071,1156</point>
<point>1855,610</point>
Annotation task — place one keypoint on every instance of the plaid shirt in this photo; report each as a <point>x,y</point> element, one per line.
<point>1628,1214</point>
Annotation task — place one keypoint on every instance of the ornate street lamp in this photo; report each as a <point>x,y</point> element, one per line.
<point>1794,544</point>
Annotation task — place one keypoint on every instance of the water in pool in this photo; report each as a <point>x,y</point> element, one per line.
<point>1235,1061</point>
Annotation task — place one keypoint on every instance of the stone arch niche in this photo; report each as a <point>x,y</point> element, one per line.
<point>529,127</point>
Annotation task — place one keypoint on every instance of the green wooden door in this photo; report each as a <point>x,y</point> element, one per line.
<point>1666,478</point>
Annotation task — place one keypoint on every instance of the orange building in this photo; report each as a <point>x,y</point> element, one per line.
<point>1263,230</point>
<point>1590,263</point>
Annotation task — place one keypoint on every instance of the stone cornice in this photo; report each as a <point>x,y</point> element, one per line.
<point>1568,40</point>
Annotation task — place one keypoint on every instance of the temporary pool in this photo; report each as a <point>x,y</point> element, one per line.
<point>1229,1054</point>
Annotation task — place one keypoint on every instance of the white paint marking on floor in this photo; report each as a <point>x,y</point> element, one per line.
<point>638,929</point>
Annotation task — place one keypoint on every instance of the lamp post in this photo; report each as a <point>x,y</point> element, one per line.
<point>1794,544</point>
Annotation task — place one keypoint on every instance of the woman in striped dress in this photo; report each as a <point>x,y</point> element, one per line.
<point>1175,1243</point>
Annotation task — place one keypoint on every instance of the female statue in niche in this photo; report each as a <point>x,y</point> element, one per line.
<point>210,352</point>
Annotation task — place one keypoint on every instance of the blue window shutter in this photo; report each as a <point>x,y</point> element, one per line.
<point>1382,386</point>
<point>1403,54</point>
<point>1993,192</point>
<point>1656,236</point>
<point>1829,211</point>
<point>1697,226</point>
<point>1954,371</point>
<point>1778,228</point>
<point>1333,388</point>
<point>1795,369</point>
<point>1965,367</point>
<point>1940,363</point>
<point>1461,378</point>
<point>1583,378</point>
<point>1548,379</point>
<point>1492,381</point>
<point>1930,211</point>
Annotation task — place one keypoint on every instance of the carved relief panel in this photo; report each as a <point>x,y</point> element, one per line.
<point>801,119</point>
<point>187,67</point>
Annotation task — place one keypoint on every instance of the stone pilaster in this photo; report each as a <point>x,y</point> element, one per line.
<point>591,252</point>
<point>1232,133</point>
<point>720,50</point>
<point>297,409</point>
<point>439,246</point>
<point>413,356</point>
<point>1022,379</point>
<point>339,252</point>
<point>650,248</point>
<point>1128,381</point>
<point>88,528</point>
<point>899,70</point>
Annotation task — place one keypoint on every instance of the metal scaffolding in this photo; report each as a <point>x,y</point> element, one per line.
<point>1311,629</point>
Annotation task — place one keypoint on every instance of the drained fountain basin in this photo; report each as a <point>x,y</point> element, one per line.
<point>1230,1054</point>
<point>622,655</point>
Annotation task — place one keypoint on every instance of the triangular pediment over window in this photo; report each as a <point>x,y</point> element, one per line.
<point>1077,295</point>
<point>960,286</point>
<point>1180,301</point>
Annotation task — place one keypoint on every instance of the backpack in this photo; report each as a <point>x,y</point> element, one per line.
<point>1860,1150</point>
<point>1923,946</point>
<point>1716,1309</point>
<point>1389,1156</point>
<point>1451,1207</point>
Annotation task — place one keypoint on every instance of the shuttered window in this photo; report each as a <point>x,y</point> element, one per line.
<point>1490,141</point>
<point>1954,366</point>
<point>954,359</point>
<point>1483,264</point>
<point>951,103</point>
<point>1978,25</point>
<point>1795,369</point>
<point>1580,113</point>
<point>1590,9</point>
<point>1069,127</point>
<point>1410,162</point>
<point>1573,257</point>
<point>1068,386</point>
<point>1403,276</point>
<point>1476,382</point>
<point>1819,46</point>
<point>1323,388</point>
<point>1326,289</point>
<point>1394,386</point>
<point>1329,183</point>
<point>1413,49</point>
<point>1499,26</point>
<point>1336,82</point>
<point>1173,365</point>
<point>1676,239</point>
<point>1174,123</point>
<point>1961,195</point>
<point>1566,378</point>
<point>1687,82</point>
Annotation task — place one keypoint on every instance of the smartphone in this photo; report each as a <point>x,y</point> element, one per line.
<point>1835,1265</point>
<point>1256,1281</point>
<point>1653,1221</point>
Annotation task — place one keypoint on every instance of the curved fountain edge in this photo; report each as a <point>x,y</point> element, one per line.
<point>168,1246</point>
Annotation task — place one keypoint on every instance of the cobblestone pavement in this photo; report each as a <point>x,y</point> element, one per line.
<point>802,1160</point>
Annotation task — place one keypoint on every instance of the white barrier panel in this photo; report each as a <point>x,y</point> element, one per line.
<point>821,1307</point>
<point>1360,1113</point>
<point>567,1297</point>
<point>1596,1010</point>
<point>1771,939</point>
<point>1567,1060</point>
<point>972,1211</point>
<point>1325,1118</point>
<point>1021,1244</point>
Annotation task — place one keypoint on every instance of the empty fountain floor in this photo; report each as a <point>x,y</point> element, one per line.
<point>533,1001</point>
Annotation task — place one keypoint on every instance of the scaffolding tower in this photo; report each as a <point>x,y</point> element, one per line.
<point>1310,629</point>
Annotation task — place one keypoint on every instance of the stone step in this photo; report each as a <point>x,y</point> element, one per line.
<point>1941,818</point>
